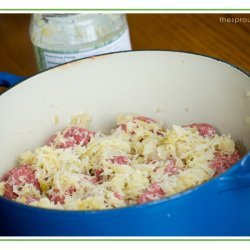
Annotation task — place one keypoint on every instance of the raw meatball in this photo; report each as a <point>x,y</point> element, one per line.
<point>119,160</point>
<point>57,198</point>
<point>144,119</point>
<point>204,129</point>
<point>222,162</point>
<point>70,137</point>
<point>154,192</point>
<point>171,168</point>
<point>19,176</point>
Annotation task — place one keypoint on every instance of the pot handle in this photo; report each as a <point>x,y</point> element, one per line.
<point>238,177</point>
<point>9,80</point>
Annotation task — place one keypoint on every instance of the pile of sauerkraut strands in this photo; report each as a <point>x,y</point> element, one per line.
<point>137,162</point>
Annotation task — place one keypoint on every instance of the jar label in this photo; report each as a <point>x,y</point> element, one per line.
<point>122,43</point>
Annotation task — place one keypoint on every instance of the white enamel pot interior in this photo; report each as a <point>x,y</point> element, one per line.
<point>178,88</point>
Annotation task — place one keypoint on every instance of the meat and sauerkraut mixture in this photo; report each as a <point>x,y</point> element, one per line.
<point>137,162</point>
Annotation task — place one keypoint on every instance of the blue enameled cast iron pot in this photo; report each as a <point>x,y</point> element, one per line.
<point>185,88</point>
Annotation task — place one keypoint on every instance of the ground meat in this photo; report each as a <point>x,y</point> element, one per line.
<point>123,127</point>
<point>152,193</point>
<point>31,199</point>
<point>118,195</point>
<point>171,168</point>
<point>19,176</point>
<point>119,160</point>
<point>71,190</point>
<point>97,178</point>
<point>72,136</point>
<point>150,145</point>
<point>51,140</point>
<point>138,118</point>
<point>222,162</point>
<point>203,128</point>
<point>56,197</point>
<point>144,119</point>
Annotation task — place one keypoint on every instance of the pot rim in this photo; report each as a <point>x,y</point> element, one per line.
<point>241,69</point>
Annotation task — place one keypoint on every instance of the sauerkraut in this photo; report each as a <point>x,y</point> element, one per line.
<point>137,162</point>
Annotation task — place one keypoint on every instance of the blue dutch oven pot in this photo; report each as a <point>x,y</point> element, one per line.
<point>219,207</point>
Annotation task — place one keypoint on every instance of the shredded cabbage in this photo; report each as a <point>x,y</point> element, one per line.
<point>139,160</point>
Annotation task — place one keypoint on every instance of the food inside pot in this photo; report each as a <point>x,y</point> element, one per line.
<point>139,161</point>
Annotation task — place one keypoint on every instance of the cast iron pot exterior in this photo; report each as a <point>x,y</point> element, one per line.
<point>139,82</point>
<point>209,210</point>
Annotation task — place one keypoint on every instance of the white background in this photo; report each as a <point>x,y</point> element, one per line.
<point>125,4</point>
<point>127,245</point>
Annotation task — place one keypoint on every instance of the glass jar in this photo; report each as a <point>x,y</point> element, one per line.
<point>60,38</point>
